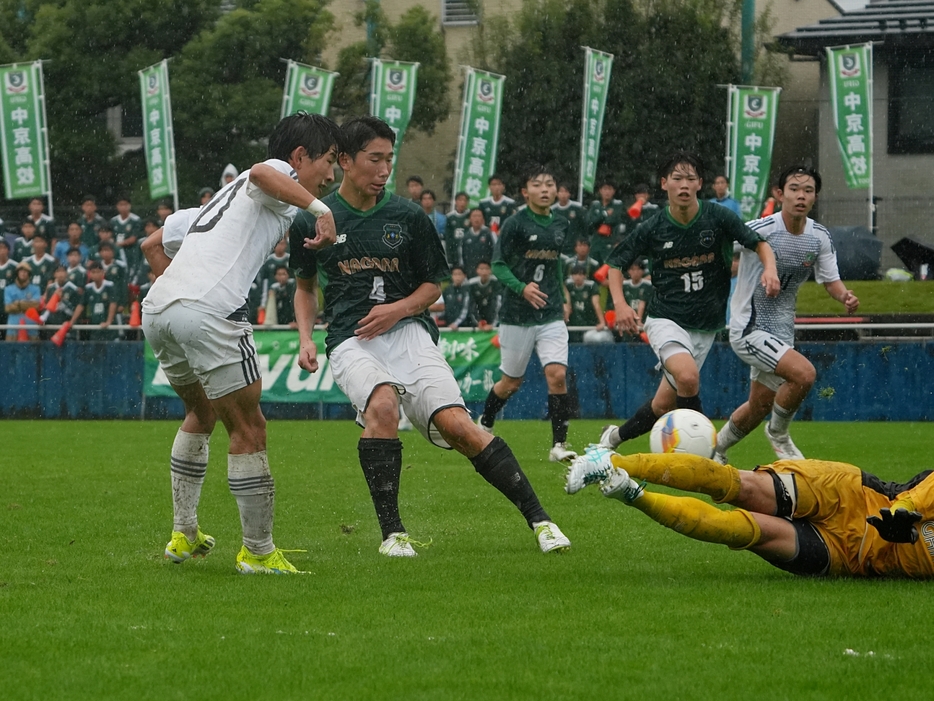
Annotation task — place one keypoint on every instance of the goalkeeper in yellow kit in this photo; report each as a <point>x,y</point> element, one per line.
<point>808,517</point>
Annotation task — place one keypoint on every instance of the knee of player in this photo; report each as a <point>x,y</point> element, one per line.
<point>382,411</point>
<point>688,383</point>
<point>556,374</point>
<point>508,386</point>
<point>807,375</point>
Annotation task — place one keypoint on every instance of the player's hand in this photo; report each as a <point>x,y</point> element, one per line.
<point>850,302</point>
<point>898,527</point>
<point>771,283</point>
<point>534,296</point>
<point>308,356</point>
<point>626,319</point>
<point>105,324</point>
<point>600,326</point>
<point>381,318</point>
<point>326,231</point>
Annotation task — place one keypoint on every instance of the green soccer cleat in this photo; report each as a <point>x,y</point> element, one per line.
<point>180,548</point>
<point>273,563</point>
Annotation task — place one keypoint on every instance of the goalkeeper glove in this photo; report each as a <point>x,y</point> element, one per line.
<point>897,527</point>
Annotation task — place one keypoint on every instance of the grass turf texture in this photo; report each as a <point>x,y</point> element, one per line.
<point>91,610</point>
<point>875,297</point>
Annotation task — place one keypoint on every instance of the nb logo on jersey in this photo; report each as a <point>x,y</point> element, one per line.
<point>392,235</point>
<point>669,244</point>
<point>341,238</point>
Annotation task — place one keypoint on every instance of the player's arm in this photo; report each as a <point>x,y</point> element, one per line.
<point>154,253</point>
<point>111,312</point>
<point>306,311</point>
<point>769,278</point>
<point>595,300</point>
<point>530,292</point>
<point>839,292</point>
<point>382,317</point>
<point>283,188</point>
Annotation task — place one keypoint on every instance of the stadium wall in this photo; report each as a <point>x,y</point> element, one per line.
<point>856,381</point>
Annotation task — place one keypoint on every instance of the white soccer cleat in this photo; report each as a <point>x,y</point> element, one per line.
<point>550,538</point>
<point>404,423</point>
<point>619,485</point>
<point>561,453</point>
<point>397,545</point>
<point>720,457</point>
<point>589,468</point>
<point>483,426</point>
<point>606,439</point>
<point>783,446</point>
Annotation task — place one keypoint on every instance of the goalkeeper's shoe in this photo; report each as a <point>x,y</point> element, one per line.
<point>560,452</point>
<point>399,545</point>
<point>783,446</point>
<point>619,485</point>
<point>180,548</point>
<point>273,563</point>
<point>550,538</point>
<point>589,468</point>
<point>609,439</point>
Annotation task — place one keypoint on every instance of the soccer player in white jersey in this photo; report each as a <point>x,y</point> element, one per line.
<point>762,329</point>
<point>195,319</point>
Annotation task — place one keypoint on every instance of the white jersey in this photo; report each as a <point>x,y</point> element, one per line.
<point>224,248</point>
<point>176,228</point>
<point>796,256</point>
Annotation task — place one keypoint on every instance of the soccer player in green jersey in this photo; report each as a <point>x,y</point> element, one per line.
<point>379,280</point>
<point>690,248</point>
<point>574,213</point>
<point>455,226</point>
<point>528,263</point>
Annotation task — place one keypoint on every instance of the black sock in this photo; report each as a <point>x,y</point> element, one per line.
<point>381,460</point>
<point>559,412</point>
<point>498,466</point>
<point>640,423</point>
<point>491,409</point>
<point>689,403</point>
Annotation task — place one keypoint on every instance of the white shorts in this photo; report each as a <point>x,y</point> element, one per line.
<point>668,339</point>
<point>761,351</point>
<point>516,343</point>
<point>192,346</point>
<point>406,359</point>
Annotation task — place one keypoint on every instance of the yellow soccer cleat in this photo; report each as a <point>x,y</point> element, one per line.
<point>180,548</point>
<point>273,563</point>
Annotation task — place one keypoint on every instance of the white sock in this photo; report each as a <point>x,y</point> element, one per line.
<point>189,465</point>
<point>780,421</point>
<point>253,487</point>
<point>728,436</point>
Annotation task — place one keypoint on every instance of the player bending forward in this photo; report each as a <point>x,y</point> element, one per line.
<point>762,328</point>
<point>379,280</point>
<point>195,319</point>
<point>808,517</point>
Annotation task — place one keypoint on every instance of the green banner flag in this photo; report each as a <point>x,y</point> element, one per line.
<point>23,134</point>
<point>597,69</point>
<point>471,355</point>
<point>850,71</point>
<point>158,138</point>
<point>750,136</point>
<point>479,134</point>
<point>392,96</point>
<point>307,89</point>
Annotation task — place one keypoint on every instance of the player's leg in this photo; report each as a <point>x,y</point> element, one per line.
<point>641,422</point>
<point>551,345</point>
<point>516,344</point>
<point>189,457</point>
<point>494,460</point>
<point>799,375</point>
<point>744,419</point>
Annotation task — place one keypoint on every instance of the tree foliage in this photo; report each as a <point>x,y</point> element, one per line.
<point>670,58</point>
<point>413,38</point>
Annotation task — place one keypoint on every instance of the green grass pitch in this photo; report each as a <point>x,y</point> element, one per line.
<point>90,610</point>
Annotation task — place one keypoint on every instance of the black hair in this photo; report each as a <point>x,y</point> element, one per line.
<point>106,244</point>
<point>578,270</point>
<point>315,132</point>
<point>415,179</point>
<point>484,261</point>
<point>124,198</point>
<point>426,191</point>
<point>458,267</point>
<point>358,132</point>
<point>724,176</point>
<point>532,170</point>
<point>3,242</point>
<point>462,194</point>
<point>283,267</point>
<point>642,188</point>
<point>799,169</point>
<point>89,198</point>
<point>605,181</point>
<point>43,237</point>
<point>495,176</point>
<point>582,239</point>
<point>94,265</point>
<point>28,221</point>
<point>681,158</point>
<point>73,249</point>
<point>105,227</point>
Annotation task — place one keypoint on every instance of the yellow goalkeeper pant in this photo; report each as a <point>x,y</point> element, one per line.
<point>701,521</point>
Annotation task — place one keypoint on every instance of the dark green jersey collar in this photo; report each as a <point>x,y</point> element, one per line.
<point>381,199</point>
<point>700,210</point>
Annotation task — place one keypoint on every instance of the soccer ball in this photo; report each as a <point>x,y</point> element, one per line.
<point>684,431</point>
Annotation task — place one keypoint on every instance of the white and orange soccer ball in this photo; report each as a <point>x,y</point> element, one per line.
<point>684,431</point>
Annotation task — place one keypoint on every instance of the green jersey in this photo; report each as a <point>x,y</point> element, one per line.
<point>97,301</point>
<point>268,271</point>
<point>42,271</point>
<point>22,248</point>
<point>116,274</point>
<point>129,229</point>
<point>495,213</point>
<point>529,250</point>
<point>582,309</point>
<point>78,276</point>
<point>285,301</point>
<point>637,293</point>
<point>70,298</point>
<point>7,278</point>
<point>476,247</point>
<point>577,224</point>
<point>607,226</point>
<point>89,230</point>
<point>45,226</point>
<point>690,264</point>
<point>454,229</point>
<point>485,299</point>
<point>457,305</point>
<point>381,256</point>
